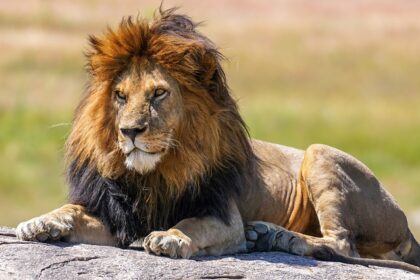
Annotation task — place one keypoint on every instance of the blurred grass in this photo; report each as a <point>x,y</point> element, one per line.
<point>342,81</point>
<point>32,163</point>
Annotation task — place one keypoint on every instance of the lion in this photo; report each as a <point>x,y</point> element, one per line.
<point>158,151</point>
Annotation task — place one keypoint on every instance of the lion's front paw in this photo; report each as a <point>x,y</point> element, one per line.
<point>45,228</point>
<point>172,243</point>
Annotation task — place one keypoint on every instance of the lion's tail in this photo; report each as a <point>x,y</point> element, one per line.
<point>328,254</point>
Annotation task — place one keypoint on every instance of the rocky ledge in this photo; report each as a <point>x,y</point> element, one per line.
<point>31,260</point>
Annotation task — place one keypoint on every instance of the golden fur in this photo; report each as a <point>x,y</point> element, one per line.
<point>206,179</point>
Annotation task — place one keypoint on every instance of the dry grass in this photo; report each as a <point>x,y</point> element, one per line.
<point>341,73</point>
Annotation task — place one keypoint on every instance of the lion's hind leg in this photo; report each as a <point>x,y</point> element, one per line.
<point>356,215</point>
<point>350,204</point>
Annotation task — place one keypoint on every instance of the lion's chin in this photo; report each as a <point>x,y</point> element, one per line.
<point>141,161</point>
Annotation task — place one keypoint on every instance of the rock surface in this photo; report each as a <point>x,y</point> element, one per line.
<point>31,260</point>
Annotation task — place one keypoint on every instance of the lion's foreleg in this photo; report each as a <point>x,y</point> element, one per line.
<point>199,236</point>
<point>70,222</point>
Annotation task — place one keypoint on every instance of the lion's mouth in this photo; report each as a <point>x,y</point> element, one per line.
<point>129,147</point>
<point>147,152</point>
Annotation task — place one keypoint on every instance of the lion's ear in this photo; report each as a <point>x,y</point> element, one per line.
<point>213,75</point>
<point>209,65</point>
<point>210,69</point>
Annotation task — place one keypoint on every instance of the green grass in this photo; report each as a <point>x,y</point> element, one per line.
<point>31,181</point>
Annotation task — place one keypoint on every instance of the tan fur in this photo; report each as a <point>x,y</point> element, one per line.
<point>69,222</point>
<point>205,236</point>
<point>350,205</point>
<point>306,200</point>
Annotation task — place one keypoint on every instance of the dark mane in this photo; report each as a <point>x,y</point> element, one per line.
<point>121,203</point>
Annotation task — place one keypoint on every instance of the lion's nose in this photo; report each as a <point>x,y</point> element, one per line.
<point>133,132</point>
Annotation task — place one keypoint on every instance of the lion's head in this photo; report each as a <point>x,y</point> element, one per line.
<point>157,102</point>
<point>157,108</point>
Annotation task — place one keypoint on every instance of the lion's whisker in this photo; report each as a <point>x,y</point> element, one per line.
<point>59,125</point>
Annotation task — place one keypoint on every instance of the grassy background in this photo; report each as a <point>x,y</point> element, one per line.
<point>344,74</point>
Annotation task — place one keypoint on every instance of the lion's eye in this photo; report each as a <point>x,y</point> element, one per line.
<point>121,98</point>
<point>160,94</point>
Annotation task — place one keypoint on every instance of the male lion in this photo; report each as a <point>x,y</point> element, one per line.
<point>158,149</point>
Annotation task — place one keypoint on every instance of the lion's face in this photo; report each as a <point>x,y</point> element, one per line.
<point>149,110</point>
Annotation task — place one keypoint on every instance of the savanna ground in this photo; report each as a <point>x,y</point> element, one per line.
<point>343,73</point>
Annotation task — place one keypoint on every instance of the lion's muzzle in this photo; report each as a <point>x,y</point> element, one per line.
<point>133,132</point>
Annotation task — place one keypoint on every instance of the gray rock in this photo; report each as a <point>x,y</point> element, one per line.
<point>32,260</point>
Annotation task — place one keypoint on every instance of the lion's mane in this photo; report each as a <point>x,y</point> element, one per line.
<point>213,161</point>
